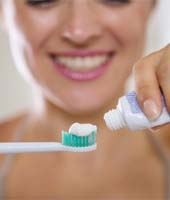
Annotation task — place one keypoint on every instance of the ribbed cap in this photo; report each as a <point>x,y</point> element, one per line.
<point>114,120</point>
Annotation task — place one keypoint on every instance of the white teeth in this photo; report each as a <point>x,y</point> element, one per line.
<point>82,63</point>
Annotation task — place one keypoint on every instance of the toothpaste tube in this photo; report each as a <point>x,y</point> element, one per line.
<point>129,114</point>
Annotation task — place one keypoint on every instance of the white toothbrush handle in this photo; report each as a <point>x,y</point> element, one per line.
<point>28,147</point>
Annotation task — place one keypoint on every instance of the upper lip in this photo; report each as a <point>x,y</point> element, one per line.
<point>82,53</point>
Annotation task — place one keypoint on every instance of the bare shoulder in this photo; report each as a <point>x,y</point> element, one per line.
<point>8,126</point>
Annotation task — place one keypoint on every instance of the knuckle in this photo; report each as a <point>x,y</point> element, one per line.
<point>164,71</point>
<point>137,67</point>
<point>144,91</point>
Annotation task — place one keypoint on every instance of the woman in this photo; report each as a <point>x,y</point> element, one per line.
<point>78,54</point>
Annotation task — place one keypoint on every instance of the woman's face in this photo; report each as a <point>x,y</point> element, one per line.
<point>79,52</point>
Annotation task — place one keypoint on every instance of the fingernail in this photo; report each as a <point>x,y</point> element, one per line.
<point>151,110</point>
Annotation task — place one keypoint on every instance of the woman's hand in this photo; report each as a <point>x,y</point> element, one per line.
<point>152,76</point>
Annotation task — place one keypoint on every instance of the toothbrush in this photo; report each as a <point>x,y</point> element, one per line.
<point>70,143</point>
<point>28,147</point>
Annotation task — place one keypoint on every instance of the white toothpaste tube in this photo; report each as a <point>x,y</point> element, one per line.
<point>129,114</point>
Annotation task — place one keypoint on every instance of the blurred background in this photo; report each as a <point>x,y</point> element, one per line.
<point>15,93</point>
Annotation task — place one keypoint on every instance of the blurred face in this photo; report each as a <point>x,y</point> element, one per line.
<point>79,52</point>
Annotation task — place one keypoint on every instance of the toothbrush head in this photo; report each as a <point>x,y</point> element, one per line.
<point>70,139</point>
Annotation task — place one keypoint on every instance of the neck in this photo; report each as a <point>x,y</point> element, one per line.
<point>55,119</point>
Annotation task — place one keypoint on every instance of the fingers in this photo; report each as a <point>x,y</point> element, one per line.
<point>163,74</point>
<point>147,84</point>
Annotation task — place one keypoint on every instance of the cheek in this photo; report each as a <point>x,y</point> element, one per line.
<point>128,32</point>
<point>127,28</point>
<point>36,29</point>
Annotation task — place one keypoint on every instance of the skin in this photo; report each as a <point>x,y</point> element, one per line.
<point>92,25</point>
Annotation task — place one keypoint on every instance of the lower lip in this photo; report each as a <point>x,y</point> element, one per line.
<point>82,76</point>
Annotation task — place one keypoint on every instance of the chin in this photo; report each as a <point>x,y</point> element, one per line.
<point>81,103</point>
<point>83,108</point>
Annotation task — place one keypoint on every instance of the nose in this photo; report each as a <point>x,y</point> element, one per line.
<point>81,25</point>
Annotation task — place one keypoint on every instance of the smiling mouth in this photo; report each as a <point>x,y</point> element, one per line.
<point>82,66</point>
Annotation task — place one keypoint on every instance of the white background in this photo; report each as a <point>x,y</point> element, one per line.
<point>15,93</point>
